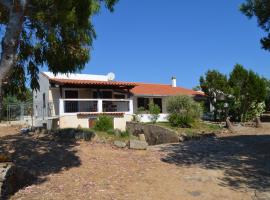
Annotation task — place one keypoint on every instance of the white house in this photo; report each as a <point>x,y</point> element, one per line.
<point>72,100</point>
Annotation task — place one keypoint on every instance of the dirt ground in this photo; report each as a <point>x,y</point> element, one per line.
<point>227,167</point>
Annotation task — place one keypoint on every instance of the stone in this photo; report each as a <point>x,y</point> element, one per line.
<point>137,144</point>
<point>7,179</point>
<point>142,137</point>
<point>120,144</point>
<point>154,134</point>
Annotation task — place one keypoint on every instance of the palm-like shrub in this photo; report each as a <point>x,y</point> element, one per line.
<point>183,110</point>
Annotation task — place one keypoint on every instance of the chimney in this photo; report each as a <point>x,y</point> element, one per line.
<point>173,81</point>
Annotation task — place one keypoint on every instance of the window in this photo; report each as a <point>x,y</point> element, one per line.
<point>143,102</point>
<point>71,106</point>
<point>158,101</point>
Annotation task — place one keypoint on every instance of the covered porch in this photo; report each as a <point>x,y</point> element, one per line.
<point>69,97</point>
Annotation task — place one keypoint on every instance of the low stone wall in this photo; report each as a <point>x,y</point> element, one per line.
<point>153,134</point>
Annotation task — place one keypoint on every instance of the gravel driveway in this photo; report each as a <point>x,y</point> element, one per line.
<point>226,167</point>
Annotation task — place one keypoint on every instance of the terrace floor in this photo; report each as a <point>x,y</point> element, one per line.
<point>227,167</point>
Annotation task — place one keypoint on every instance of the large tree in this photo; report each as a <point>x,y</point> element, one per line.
<point>244,92</point>
<point>55,33</point>
<point>248,90</point>
<point>261,10</point>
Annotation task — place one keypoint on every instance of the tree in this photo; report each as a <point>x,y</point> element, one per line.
<point>248,90</point>
<point>261,10</point>
<point>244,93</point>
<point>57,34</point>
<point>215,85</point>
<point>267,99</point>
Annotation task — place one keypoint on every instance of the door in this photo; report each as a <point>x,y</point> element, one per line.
<point>71,106</point>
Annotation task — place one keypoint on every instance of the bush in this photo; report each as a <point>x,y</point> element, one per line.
<point>154,111</point>
<point>177,120</point>
<point>104,123</point>
<point>183,110</point>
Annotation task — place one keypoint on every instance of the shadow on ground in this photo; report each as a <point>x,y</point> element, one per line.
<point>245,159</point>
<point>35,158</point>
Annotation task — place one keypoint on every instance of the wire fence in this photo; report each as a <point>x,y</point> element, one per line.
<point>22,111</point>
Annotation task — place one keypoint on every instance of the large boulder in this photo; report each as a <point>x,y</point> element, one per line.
<point>153,133</point>
<point>137,144</point>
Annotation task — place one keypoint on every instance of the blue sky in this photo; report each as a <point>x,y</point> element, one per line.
<point>152,40</point>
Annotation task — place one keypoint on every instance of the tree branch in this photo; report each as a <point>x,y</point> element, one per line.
<point>6,3</point>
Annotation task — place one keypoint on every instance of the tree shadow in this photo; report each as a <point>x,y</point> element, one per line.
<point>245,159</point>
<point>35,158</point>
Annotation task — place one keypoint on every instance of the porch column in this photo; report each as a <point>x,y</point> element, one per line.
<point>61,107</point>
<point>99,106</point>
<point>131,106</point>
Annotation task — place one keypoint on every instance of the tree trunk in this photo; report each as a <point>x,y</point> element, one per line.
<point>229,125</point>
<point>258,122</point>
<point>10,44</point>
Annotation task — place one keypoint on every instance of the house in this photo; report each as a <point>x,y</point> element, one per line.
<point>72,100</point>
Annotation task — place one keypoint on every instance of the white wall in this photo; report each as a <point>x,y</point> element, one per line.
<point>147,118</point>
<point>40,112</point>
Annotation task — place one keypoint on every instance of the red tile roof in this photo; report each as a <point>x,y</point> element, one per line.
<point>91,82</point>
<point>137,88</point>
<point>162,90</point>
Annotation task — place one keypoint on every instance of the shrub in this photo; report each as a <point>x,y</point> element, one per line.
<point>183,110</point>
<point>104,123</point>
<point>177,120</point>
<point>154,111</point>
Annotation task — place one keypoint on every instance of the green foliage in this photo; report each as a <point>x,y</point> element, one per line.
<point>259,9</point>
<point>267,98</point>
<point>244,92</point>
<point>214,81</point>
<point>183,110</point>
<point>104,123</point>
<point>58,34</point>
<point>154,111</point>
<point>249,91</point>
<point>178,120</point>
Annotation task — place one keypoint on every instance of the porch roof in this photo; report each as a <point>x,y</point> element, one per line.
<point>91,82</point>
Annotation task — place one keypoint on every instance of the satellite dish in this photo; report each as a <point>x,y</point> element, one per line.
<point>111,76</point>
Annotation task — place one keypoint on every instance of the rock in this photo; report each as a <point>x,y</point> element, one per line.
<point>137,144</point>
<point>181,139</point>
<point>7,179</point>
<point>142,137</point>
<point>154,134</point>
<point>120,144</point>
